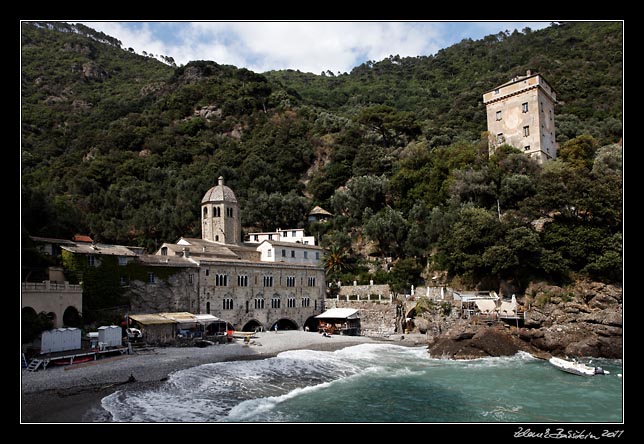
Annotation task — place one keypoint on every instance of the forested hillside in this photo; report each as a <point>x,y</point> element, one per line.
<point>123,147</point>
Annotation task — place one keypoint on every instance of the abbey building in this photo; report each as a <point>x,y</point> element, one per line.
<point>272,278</point>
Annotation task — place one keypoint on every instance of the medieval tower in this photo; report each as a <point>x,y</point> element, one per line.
<point>521,113</point>
<point>220,219</point>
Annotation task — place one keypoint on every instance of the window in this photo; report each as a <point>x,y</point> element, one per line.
<point>242,280</point>
<point>229,212</point>
<point>216,238</point>
<point>526,148</point>
<point>228,304</point>
<point>292,253</point>
<point>208,307</point>
<point>290,302</point>
<point>269,253</point>
<point>151,278</point>
<point>268,281</point>
<point>499,115</point>
<point>283,253</point>
<point>221,280</point>
<point>123,259</point>
<point>190,278</point>
<point>311,281</point>
<point>270,237</point>
<point>247,303</point>
<point>524,107</point>
<point>526,131</point>
<point>123,280</point>
<point>259,303</point>
<point>205,211</point>
<point>91,260</point>
<point>164,252</point>
<point>285,234</point>
<point>317,255</point>
<point>306,302</point>
<point>496,91</point>
<point>207,272</point>
<point>276,302</point>
<point>500,138</point>
<point>293,233</point>
<point>216,212</point>
<point>290,281</point>
<point>306,255</point>
<point>256,237</point>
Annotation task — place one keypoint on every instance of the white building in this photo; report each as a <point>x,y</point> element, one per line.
<point>294,235</point>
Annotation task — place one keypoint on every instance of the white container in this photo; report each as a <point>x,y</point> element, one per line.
<point>60,339</point>
<point>110,335</point>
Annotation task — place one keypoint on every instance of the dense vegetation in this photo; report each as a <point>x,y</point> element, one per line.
<point>123,147</point>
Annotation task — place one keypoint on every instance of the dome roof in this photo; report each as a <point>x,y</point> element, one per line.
<point>219,193</point>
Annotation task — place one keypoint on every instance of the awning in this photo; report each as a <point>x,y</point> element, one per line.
<point>508,308</point>
<point>206,319</point>
<point>339,313</point>
<point>151,319</point>
<point>486,306</point>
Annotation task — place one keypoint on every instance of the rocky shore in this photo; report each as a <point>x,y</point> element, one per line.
<point>584,320</point>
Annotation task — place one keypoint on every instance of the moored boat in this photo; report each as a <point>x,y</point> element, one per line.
<point>577,368</point>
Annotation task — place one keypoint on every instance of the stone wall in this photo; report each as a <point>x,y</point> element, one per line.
<point>365,290</point>
<point>376,319</point>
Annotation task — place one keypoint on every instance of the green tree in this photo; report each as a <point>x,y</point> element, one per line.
<point>388,228</point>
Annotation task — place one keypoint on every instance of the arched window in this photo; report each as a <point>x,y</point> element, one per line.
<point>217,212</point>
<point>208,307</point>
<point>205,211</point>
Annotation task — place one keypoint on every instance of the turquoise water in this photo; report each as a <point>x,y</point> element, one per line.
<point>376,383</point>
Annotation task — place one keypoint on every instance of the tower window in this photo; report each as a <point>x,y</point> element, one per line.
<point>499,115</point>
<point>526,131</point>
<point>216,238</point>
<point>216,212</point>
<point>205,211</point>
<point>229,212</point>
<point>524,106</point>
<point>500,138</point>
<point>526,148</point>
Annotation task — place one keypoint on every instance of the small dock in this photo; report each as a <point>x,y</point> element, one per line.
<point>70,357</point>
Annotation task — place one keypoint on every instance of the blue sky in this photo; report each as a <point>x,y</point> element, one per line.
<point>307,46</point>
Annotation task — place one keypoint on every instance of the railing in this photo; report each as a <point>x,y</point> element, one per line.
<point>50,286</point>
<point>367,298</point>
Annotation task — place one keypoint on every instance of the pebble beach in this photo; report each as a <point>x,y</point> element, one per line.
<point>72,394</point>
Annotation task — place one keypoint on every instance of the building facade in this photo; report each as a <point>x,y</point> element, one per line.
<point>521,113</point>
<point>251,285</point>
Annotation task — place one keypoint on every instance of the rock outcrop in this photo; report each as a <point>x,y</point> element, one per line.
<point>583,320</point>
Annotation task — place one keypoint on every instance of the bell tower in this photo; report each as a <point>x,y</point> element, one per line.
<point>220,221</point>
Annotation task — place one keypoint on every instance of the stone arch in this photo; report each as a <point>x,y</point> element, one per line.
<point>253,325</point>
<point>71,317</point>
<point>285,324</point>
<point>311,323</point>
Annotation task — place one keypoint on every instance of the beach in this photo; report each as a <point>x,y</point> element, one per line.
<point>72,394</point>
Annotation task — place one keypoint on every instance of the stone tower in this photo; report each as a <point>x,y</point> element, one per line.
<point>521,113</point>
<point>220,221</point>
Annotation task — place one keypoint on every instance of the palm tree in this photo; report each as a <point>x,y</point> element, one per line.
<point>335,260</point>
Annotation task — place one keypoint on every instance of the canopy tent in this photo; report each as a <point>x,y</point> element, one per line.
<point>339,313</point>
<point>345,321</point>
<point>486,306</point>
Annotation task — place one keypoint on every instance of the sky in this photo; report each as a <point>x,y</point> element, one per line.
<point>305,46</point>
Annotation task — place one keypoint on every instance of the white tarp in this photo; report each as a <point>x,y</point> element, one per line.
<point>508,308</point>
<point>339,313</point>
<point>486,305</point>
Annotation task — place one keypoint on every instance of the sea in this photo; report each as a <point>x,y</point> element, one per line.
<point>377,383</point>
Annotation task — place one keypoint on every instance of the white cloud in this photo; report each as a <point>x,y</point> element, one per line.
<point>307,46</point>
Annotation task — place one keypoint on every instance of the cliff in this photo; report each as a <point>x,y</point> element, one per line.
<point>582,320</point>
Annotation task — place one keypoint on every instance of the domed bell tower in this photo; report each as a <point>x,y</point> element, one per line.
<point>220,221</point>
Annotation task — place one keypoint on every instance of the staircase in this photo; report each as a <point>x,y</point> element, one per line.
<point>34,364</point>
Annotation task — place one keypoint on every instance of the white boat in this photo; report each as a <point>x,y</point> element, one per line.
<point>577,368</point>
